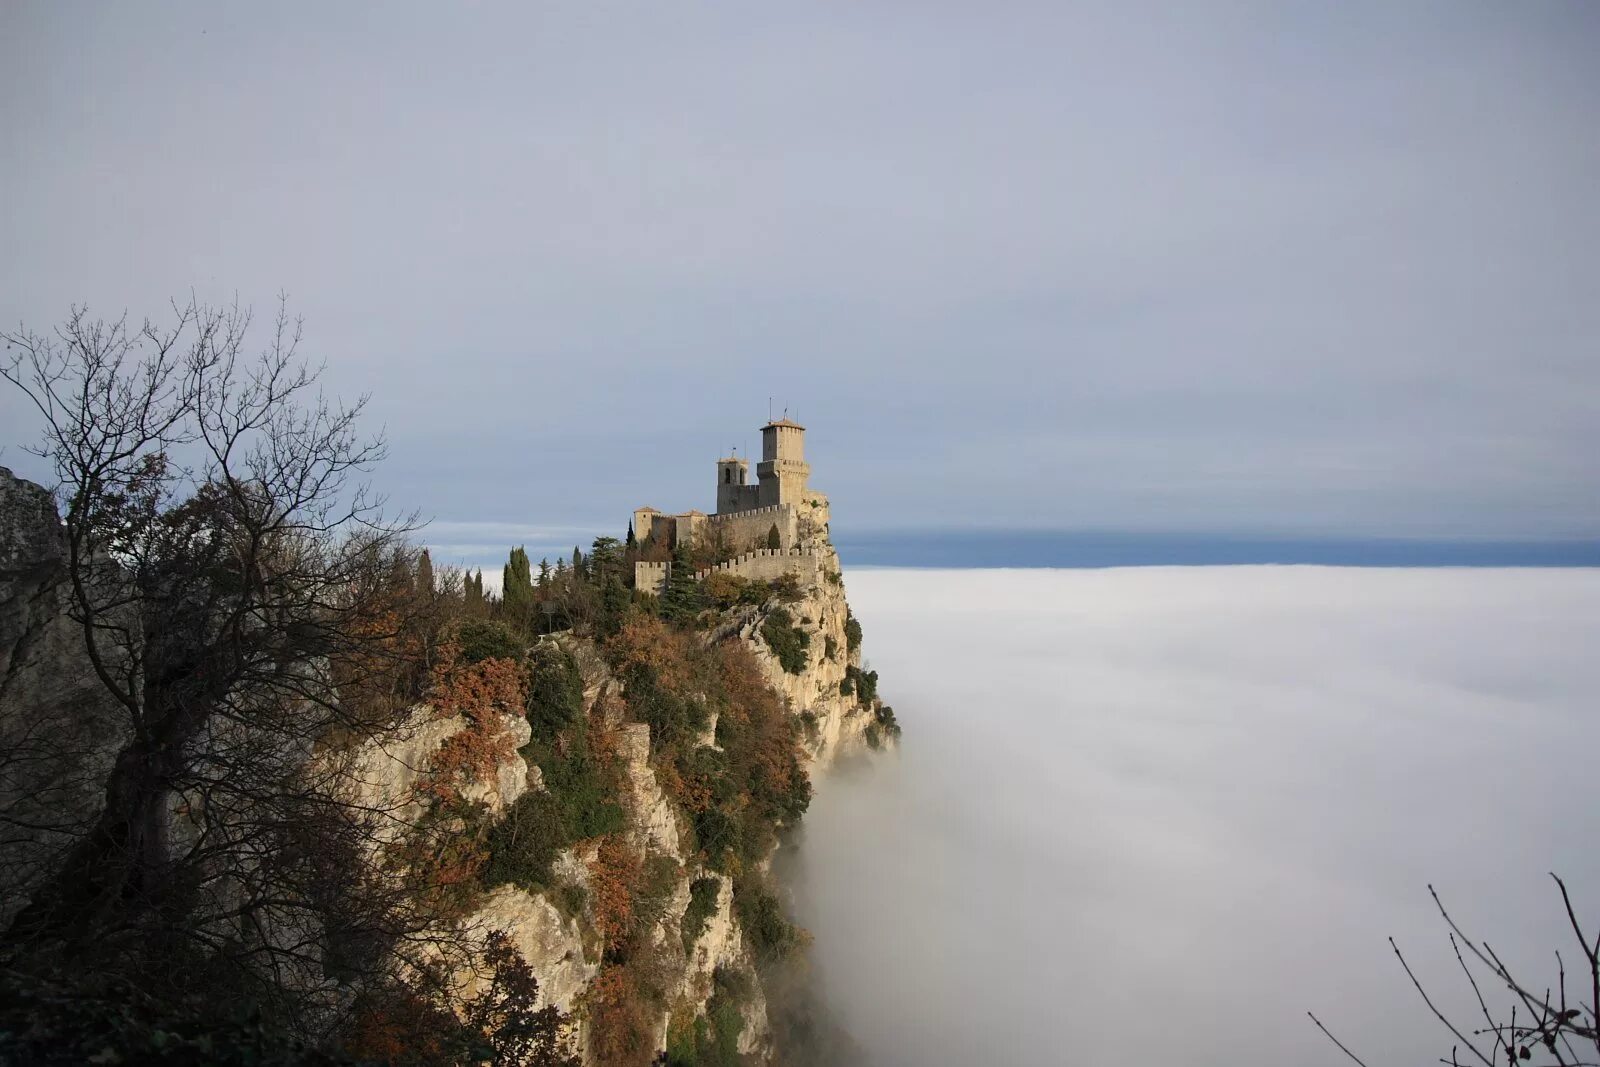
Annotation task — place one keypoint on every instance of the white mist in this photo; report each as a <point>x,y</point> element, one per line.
<point>1154,815</point>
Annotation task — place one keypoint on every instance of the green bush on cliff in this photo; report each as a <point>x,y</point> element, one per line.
<point>713,1039</point>
<point>771,934</point>
<point>579,802</point>
<point>786,587</point>
<point>788,642</point>
<point>584,794</point>
<point>555,691</point>
<point>886,719</point>
<point>883,725</point>
<point>862,683</point>
<point>674,718</point>
<point>524,843</point>
<point>702,904</point>
<point>578,806</point>
<point>483,639</point>
<point>717,833</point>
<point>852,631</point>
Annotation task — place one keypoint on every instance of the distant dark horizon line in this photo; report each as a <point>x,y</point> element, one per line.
<point>971,548</point>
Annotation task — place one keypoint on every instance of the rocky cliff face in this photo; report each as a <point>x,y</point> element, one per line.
<point>47,689</point>
<point>835,717</point>
<point>701,950</point>
<point>837,722</point>
<point>59,731</point>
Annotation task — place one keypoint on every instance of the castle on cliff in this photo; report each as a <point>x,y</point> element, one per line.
<point>747,513</point>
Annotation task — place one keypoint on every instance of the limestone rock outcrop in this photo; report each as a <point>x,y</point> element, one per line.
<point>48,688</point>
<point>59,729</point>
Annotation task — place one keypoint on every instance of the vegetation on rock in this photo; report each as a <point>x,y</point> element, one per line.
<point>269,638</point>
<point>788,642</point>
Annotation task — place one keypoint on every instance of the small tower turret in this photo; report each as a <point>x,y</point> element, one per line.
<point>734,491</point>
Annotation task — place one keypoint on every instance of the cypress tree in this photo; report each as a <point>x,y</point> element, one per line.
<point>774,541</point>
<point>425,574</point>
<point>633,542</point>
<point>544,573</point>
<point>516,595</point>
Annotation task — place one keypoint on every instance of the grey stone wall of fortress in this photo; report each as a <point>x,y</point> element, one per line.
<point>650,577</point>
<point>743,531</point>
<point>765,564</point>
<point>805,563</point>
<point>747,513</point>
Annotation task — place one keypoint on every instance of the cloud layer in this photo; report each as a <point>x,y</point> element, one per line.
<point>1159,814</point>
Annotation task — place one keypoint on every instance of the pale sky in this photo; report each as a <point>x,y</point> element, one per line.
<point>1283,268</point>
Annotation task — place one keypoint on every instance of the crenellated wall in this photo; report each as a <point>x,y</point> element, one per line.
<point>650,577</point>
<point>741,531</point>
<point>765,564</point>
<point>805,562</point>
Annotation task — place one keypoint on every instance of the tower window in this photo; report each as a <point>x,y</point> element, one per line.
<point>727,476</point>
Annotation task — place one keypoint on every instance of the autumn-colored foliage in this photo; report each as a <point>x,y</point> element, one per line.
<point>483,693</point>
<point>613,875</point>
<point>737,792</point>
<point>400,1027</point>
<point>502,1025</point>
<point>620,1032</point>
<point>443,856</point>
<point>667,652</point>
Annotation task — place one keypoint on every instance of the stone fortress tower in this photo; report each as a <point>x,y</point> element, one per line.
<point>783,470</point>
<point>746,511</point>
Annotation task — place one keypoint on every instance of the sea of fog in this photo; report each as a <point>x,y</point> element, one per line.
<point>1154,815</point>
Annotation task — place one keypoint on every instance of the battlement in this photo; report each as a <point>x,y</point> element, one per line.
<point>767,509</point>
<point>805,563</point>
<point>650,577</point>
<point>750,562</point>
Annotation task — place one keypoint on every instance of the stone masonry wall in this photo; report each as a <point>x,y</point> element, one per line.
<point>745,530</point>
<point>650,577</point>
<point>805,563</point>
<point>766,564</point>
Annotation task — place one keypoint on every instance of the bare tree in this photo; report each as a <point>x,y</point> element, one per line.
<point>1536,1027</point>
<point>244,602</point>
